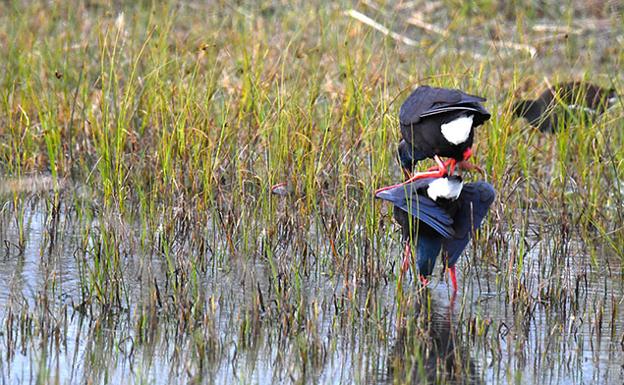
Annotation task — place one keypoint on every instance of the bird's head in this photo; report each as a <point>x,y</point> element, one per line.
<point>406,159</point>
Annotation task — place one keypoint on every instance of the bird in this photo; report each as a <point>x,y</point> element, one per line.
<point>439,122</point>
<point>440,216</point>
<point>563,103</point>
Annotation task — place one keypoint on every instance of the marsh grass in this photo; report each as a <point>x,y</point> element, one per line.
<point>164,125</point>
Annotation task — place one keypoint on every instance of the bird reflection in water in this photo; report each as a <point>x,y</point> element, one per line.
<point>429,346</point>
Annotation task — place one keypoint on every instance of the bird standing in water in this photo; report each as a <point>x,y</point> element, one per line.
<point>563,103</point>
<point>439,215</point>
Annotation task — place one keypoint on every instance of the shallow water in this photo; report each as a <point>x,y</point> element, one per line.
<point>346,331</point>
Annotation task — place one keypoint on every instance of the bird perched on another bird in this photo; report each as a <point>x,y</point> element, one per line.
<point>565,102</point>
<point>439,215</point>
<point>439,122</point>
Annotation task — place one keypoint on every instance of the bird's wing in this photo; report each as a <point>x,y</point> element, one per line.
<point>475,107</point>
<point>427,101</point>
<point>431,214</point>
<point>474,202</point>
<point>424,98</point>
<point>406,198</point>
<point>469,107</point>
<point>455,98</point>
<point>468,98</point>
<point>439,110</point>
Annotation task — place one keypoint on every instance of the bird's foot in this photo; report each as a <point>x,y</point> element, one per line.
<point>448,164</point>
<point>468,166</point>
<point>423,280</point>
<point>464,165</point>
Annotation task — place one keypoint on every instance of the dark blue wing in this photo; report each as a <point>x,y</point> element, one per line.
<point>477,108</point>
<point>474,203</point>
<point>422,99</point>
<point>406,198</point>
<point>426,101</point>
<point>439,110</point>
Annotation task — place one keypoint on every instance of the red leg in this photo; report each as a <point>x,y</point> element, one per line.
<point>441,171</point>
<point>418,175</point>
<point>468,166</point>
<point>451,271</point>
<point>449,163</point>
<point>443,165</point>
<point>452,163</point>
<point>462,165</point>
<point>407,254</point>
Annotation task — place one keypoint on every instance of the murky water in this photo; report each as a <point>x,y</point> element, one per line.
<point>348,332</point>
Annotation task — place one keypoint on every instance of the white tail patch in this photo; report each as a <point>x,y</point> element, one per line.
<point>445,188</point>
<point>457,131</point>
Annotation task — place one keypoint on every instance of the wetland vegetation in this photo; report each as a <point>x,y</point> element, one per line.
<point>140,243</point>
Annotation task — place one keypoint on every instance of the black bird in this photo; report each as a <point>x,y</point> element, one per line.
<point>563,103</point>
<point>440,215</point>
<point>439,122</point>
